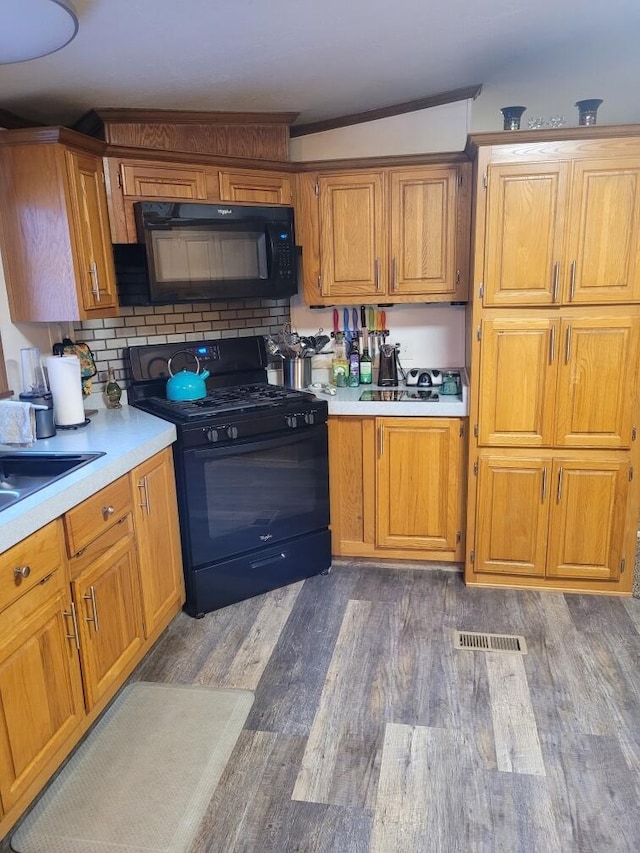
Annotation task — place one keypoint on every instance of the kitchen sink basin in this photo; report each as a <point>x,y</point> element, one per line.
<point>22,474</point>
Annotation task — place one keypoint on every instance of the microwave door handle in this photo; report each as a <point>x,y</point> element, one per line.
<point>270,232</point>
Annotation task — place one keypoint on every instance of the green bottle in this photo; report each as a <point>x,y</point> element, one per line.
<point>366,368</point>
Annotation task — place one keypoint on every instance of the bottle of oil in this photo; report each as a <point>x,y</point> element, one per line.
<point>340,364</point>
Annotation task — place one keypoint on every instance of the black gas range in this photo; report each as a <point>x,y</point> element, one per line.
<point>251,464</point>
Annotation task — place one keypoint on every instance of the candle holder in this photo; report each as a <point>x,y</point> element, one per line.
<point>587,111</point>
<point>512,116</point>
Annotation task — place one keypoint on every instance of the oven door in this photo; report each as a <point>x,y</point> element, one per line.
<point>255,493</point>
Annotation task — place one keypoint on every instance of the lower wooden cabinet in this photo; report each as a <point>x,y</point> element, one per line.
<point>397,487</point>
<point>72,597</point>
<point>107,601</point>
<point>543,516</point>
<point>158,537</point>
<point>41,703</point>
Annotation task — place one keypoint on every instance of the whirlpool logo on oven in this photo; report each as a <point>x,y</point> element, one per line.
<point>265,537</point>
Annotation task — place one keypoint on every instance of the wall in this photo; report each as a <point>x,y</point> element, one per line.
<point>438,129</point>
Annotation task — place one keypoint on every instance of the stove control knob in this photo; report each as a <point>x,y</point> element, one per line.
<point>212,435</point>
<point>232,432</point>
<point>291,421</point>
<point>310,418</point>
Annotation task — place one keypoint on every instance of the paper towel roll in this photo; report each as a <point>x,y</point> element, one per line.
<point>65,383</point>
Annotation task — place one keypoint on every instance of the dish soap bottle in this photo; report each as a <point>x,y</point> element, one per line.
<point>112,391</point>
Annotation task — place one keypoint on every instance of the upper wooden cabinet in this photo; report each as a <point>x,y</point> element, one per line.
<point>252,187</point>
<point>131,180</point>
<point>393,235</point>
<point>563,233</point>
<point>56,245</point>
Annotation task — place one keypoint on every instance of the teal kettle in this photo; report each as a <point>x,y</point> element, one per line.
<point>186,385</point>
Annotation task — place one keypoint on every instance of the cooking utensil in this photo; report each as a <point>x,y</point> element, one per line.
<point>347,332</point>
<point>321,342</point>
<point>272,347</point>
<point>186,385</point>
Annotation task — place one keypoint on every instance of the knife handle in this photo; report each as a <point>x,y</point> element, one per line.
<point>336,322</point>
<point>363,317</point>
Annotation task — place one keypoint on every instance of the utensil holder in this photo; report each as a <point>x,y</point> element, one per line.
<point>297,373</point>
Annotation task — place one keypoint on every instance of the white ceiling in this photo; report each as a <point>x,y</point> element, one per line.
<point>321,58</point>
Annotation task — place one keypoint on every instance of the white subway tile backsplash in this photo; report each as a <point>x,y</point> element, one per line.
<point>175,324</point>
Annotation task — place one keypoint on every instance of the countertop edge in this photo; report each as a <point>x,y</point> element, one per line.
<point>127,437</point>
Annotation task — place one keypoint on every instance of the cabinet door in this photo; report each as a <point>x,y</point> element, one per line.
<point>41,704</point>
<point>94,256</point>
<point>518,359</point>
<point>256,187</point>
<point>156,180</point>
<point>587,522</point>
<point>512,514</point>
<point>353,253</point>
<point>604,238</point>
<point>107,600</point>
<point>419,483</point>
<point>158,536</point>
<point>524,245</point>
<point>596,377</point>
<point>423,231</point>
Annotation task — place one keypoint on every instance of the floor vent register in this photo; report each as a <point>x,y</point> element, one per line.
<point>478,642</point>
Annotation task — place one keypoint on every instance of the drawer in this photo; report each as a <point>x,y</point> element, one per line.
<point>96,514</point>
<point>24,565</point>
<point>108,539</point>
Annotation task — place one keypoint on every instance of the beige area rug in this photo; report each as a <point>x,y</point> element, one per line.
<point>143,778</point>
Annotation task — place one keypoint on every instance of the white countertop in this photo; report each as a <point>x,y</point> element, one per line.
<point>346,401</point>
<point>126,436</point>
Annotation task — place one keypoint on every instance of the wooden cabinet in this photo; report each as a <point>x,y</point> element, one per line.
<point>41,707</point>
<point>551,516</point>
<point>554,498</point>
<point>105,587</point>
<point>56,243</point>
<point>401,235</point>
<point>158,538</point>
<point>584,248</point>
<point>397,487</point>
<point>72,597</point>
<point>557,381</point>
<point>253,187</point>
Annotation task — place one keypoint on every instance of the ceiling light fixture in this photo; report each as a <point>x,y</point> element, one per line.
<point>30,29</point>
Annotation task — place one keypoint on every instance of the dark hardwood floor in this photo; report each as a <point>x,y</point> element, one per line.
<point>370,732</point>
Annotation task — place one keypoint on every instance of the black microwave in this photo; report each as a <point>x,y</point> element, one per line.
<point>190,252</point>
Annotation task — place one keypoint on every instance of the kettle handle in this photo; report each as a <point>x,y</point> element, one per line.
<point>187,352</point>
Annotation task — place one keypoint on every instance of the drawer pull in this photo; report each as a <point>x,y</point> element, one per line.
<point>94,609</point>
<point>21,572</point>
<point>73,636</point>
<point>107,511</point>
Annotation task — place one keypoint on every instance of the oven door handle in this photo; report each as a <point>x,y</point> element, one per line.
<point>250,446</point>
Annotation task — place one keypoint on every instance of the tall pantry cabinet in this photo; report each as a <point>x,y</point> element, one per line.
<point>554,342</point>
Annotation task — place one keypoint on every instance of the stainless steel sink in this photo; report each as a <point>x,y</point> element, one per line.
<point>22,474</point>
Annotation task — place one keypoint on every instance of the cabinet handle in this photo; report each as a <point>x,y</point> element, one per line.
<point>552,345</point>
<point>376,272</point>
<point>143,485</point>
<point>567,349</point>
<point>544,484</point>
<point>394,274</point>
<point>572,280</point>
<point>95,283</point>
<point>107,512</point>
<point>559,495</point>
<point>380,441</point>
<point>21,572</point>
<point>73,636</point>
<point>556,279</point>
<point>94,609</point>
